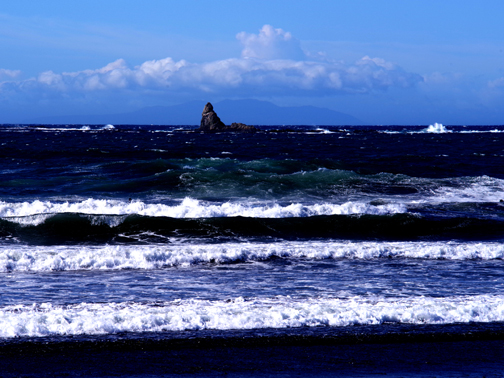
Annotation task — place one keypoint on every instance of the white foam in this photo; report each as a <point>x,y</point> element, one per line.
<point>279,312</point>
<point>19,258</point>
<point>188,208</point>
<point>61,129</point>
<point>437,128</point>
<point>323,131</point>
<point>494,131</point>
<point>440,129</point>
<point>468,189</point>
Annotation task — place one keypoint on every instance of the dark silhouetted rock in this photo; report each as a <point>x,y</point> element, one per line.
<point>241,127</point>
<point>210,122</point>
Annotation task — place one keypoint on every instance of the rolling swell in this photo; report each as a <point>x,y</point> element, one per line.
<point>72,228</point>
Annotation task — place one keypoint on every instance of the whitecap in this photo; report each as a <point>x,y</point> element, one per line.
<point>193,208</point>
<point>19,258</point>
<point>437,128</point>
<point>46,319</point>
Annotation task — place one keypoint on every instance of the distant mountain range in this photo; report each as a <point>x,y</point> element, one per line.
<point>251,112</point>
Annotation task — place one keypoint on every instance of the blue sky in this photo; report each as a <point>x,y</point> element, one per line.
<point>384,62</point>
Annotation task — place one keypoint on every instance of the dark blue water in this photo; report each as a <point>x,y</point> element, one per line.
<point>300,250</point>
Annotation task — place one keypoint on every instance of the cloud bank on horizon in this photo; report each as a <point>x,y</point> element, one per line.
<point>272,62</point>
<point>272,65</point>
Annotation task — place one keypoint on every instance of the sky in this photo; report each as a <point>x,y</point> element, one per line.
<point>403,62</point>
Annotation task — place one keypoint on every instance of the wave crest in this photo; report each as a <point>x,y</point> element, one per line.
<point>238,314</point>
<point>188,208</point>
<point>68,258</point>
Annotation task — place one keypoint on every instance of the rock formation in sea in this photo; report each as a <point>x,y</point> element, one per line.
<point>210,122</point>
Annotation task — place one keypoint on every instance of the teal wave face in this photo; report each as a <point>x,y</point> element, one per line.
<point>73,228</point>
<point>231,179</point>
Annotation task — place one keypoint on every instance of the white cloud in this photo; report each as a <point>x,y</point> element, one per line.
<point>52,80</point>
<point>9,74</point>
<point>270,44</point>
<point>272,63</point>
<point>235,75</point>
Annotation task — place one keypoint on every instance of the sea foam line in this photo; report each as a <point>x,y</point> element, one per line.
<point>188,208</point>
<point>238,314</point>
<point>19,258</point>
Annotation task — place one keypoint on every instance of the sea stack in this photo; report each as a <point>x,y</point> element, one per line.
<point>210,122</point>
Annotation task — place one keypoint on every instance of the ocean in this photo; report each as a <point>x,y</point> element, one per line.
<point>149,251</point>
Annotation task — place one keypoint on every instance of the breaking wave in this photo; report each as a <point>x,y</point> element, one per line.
<point>188,208</point>
<point>437,128</point>
<point>18,258</point>
<point>239,314</point>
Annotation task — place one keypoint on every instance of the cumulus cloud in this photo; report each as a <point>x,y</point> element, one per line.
<point>272,63</point>
<point>270,44</point>
<point>9,74</point>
